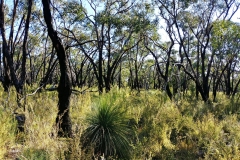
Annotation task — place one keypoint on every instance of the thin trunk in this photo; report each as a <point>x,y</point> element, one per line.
<point>24,56</point>
<point>197,92</point>
<point>50,70</point>
<point>228,81</point>
<point>100,63</point>
<point>236,88</point>
<point>7,77</point>
<point>18,84</point>
<point>120,76</point>
<point>217,83</point>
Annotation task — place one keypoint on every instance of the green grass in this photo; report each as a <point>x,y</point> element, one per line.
<point>7,132</point>
<point>147,124</point>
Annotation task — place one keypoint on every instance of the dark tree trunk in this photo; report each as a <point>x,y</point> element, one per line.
<point>100,77</point>
<point>24,55</point>
<point>203,94</point>
<point>10,70</point>
<point>31,78</point>
<point>196,92</point>
<point>169,93</point>
<point>236,88</point>
<point>164,76</point>
<point>136,80</point>
<point>159,80</point>
<point>216,82</point>
<point>63,120</point>
<point>5,51</point>
<point>228,80</point>
<point>197,70</point>
<point>130,80</point>
<point>100,63</point>
<point>107,81</point>
<point>7,77</point>
<point>80,80</point>
<point>47,76</point>
<point>120,76</point>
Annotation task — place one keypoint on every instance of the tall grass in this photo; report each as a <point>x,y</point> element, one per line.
<point>7,132</point>
<point>148,124</point>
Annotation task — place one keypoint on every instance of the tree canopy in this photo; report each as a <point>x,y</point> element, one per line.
<point>170,45</point>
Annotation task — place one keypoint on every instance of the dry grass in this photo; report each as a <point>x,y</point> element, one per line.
<point>164,130</point>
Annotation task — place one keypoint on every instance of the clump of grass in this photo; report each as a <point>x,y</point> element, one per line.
<point>154,133</point>
<point>39,140</point>
<point>80,107</point>
<point>108,131</point>
<point>7,132</point>
<point>39,154</point>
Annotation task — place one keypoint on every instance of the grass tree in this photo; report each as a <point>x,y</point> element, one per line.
<point>108,131</point>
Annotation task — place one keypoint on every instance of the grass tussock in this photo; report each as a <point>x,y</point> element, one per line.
<point>148,125</point>
<point>108,131</point>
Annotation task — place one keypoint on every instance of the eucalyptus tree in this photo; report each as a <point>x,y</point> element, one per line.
<point>42,58</point>
<point>68,18</point>
<point>12,45</point>
<point>144,24</point>
<point>162,54</point>
<point>111,30</point>
<point>63,120</point>
<point>136,60</point>
<point>225,42</point>
<point>160,51</point>
<point>191,24</point>
<point>110,26</point>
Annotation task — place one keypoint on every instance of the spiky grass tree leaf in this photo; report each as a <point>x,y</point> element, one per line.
<point>108,129</point>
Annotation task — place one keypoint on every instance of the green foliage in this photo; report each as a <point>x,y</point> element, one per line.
<point>225,37</point>
<point>73,11</point>
<point>108,132</point>
<point>33,154</point>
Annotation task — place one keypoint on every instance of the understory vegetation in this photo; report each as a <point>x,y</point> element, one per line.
<point>122,124</point>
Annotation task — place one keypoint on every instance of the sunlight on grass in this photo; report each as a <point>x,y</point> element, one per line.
<point>7,132</point>
<point>160,129</point>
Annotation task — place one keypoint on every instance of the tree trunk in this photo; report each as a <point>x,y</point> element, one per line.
<point>9,68</point>
<point>64,88</point>
<point>169,93</point>
<point>107,80</point>
<point>24,55</point>
<point>228,81</point>
<point>120,76</point>
<point>7,77</point>
<point>48,74</point>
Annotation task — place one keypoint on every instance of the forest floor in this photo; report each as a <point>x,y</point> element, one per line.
<point>184,128</point>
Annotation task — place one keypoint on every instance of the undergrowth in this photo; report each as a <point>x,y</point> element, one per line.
<point>160,129</point>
